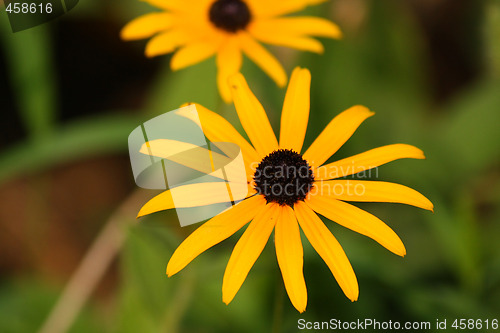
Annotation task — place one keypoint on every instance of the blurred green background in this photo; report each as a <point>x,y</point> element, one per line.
<point>71,92</point>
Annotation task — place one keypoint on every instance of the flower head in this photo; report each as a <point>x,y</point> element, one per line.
<point>199,29</point>
<point>289,189</point>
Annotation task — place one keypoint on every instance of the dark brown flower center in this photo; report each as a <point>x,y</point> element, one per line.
<point>230,15</point>
<point>283,177</point>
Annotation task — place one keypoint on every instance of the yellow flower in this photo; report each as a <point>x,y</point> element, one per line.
<point>199,29</point>
<point>308,187</point>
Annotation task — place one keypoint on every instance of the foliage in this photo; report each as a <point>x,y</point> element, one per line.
<point>452,269</point>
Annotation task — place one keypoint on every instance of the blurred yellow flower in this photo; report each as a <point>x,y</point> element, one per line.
<point>289,189</point>
<point>199,29</point>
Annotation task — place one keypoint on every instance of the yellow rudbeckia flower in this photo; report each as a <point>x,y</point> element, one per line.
<point>199,29</point>
<point>289,190</point>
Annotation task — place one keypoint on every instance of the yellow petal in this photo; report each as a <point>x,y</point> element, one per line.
<point>265,60</point>
<point>190,155</point>
<point>193,53</point>
<point>162,201</point>
<point>186,196</point>
<point>214,231</point>
<point>357,220</point>
<point>328,248</point>
<point>147,25</point>
<point>229,60</point>
<point>295,114</point>
<point>252,116</point>
<point>166,42</point>
<point>218,129</point>
<point>297,26</point>
<point>301,43</point>
<point>373,191</point>
<point>367,160</point>
<point>291,257</point>
<point>247,250</point>
<point>336,133</point>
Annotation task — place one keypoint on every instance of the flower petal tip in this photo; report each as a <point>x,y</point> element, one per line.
<point>170,272</point>
<point>428,205</point>
<point>149,54</point>
<point>401,251</point>
<point>226,99</point>
<point>152,52</point>
<point>354,297</point>
<point>300,305</point>
<point>282,81</point>
<point>174,66</point>
<point>362,108</point>
<point>225,300</point>
<point>318,50</point>
<point>142,213</point>
<point>282,84</point>
<point>124,34</point>
<point>128,33</point>
<point>305,71</point>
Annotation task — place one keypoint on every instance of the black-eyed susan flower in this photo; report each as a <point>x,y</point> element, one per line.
<point>290,189</point>
<point>200,29</point>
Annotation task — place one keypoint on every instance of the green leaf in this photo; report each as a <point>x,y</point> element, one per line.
<point>31,69</point>
<point>471,133</point>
